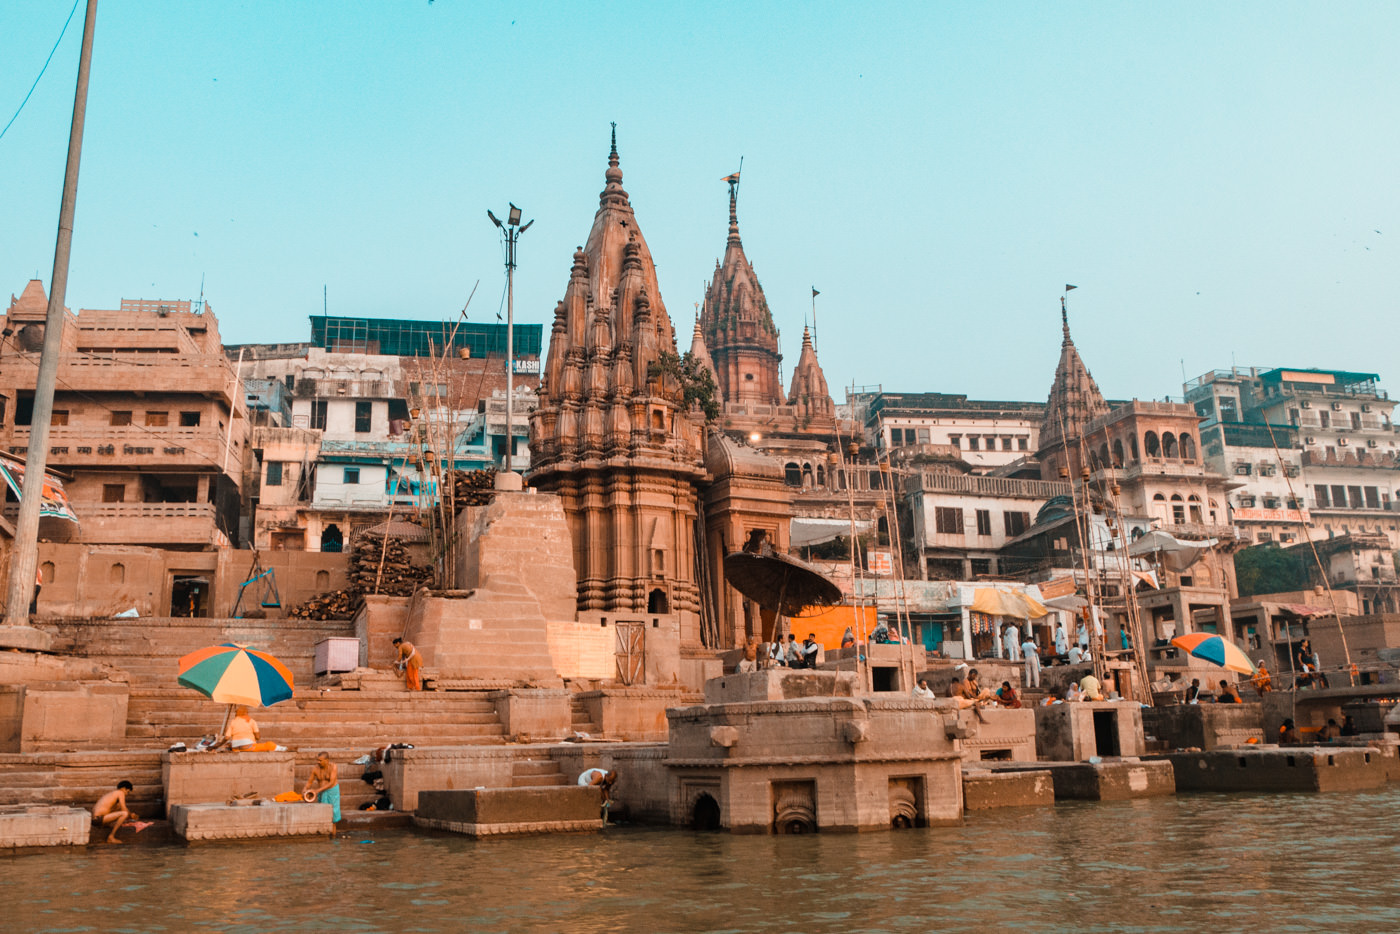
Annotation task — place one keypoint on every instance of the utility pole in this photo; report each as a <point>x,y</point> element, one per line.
<point>24,555</point>
<point>510,231</point>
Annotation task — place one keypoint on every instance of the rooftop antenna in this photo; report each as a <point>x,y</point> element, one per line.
<point>815,293</point>
<point>201,293</point>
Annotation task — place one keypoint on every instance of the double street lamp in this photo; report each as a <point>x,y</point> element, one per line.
<point>510,232</point>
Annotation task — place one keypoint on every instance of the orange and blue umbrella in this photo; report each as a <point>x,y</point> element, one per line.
<point>235,674</point>
<point>1215,649</point>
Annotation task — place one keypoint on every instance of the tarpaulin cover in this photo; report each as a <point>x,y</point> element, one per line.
<point>54,501</point>
<point>995,602</point>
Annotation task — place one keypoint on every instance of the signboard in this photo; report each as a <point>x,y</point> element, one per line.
<point>527,366</point>
<point>54,501</point>
<point>1271,515</point>
<point>1293,376</point>
<point>881,565</point>
<point>1059,587</point>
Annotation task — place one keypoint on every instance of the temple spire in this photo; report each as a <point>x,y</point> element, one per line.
<point>733,208</point>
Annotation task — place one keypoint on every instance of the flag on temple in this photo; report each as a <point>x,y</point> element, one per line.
<point>1068,287</point>
<point>731,178</point>
<point>815,293</point>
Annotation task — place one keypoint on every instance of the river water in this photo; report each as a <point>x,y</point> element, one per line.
<point>1219,863</point>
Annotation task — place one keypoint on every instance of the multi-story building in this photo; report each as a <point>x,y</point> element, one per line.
<point>149,421</point>
<point>373,409</point>
<point>986,434</point>
<point>1315,450</point>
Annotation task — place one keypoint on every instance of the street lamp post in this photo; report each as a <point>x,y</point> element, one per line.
<point>510,231</point>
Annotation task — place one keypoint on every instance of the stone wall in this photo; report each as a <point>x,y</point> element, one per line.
<point>1069,732</point>
<point>1204,726</point>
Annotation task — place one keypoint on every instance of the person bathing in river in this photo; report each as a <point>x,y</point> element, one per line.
<point>324,784</point>
<point>111,811</point>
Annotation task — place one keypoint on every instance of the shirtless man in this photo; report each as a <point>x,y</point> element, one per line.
<point>324,783</point>
<point>111,811</point>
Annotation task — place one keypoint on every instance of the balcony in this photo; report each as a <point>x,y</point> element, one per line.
<point>150,524</point>
<point>973,485</point>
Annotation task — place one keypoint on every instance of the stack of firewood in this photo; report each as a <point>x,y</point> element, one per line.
<point>473,487</point>
<point>384,567</point>
<point>398,577</point>
<point>338,604</point>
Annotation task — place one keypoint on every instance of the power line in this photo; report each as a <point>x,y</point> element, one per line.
<point>41,70</point>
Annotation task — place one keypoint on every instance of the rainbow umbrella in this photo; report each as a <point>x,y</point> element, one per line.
<point>1215,649</point>
<point>236,674</point>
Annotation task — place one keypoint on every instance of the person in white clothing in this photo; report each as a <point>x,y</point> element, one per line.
<point>1012,639</point>
<point>1031,652</point>
<point>1061,639</point>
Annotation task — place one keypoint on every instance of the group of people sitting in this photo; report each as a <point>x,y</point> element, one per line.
<point>968,691</point>
<point>780,654</point>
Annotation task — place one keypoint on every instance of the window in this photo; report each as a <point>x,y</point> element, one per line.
<point>318,414</point>
<point>1325,418</point>
<point>364,414</point>
<point>157,419</point>
<point>1016,522</point>
<point>948,521</point>
<point>1006,444</point>
<point>792,475</point>
<point>1323,500</point>
<point>274,473</point>
<point>1356,420</point>
<point>59,417</point>
<point>955,441</point>
<point>984,522</point>
<point>1355,497</point>
<point>24,407</point>
<point>923,436</point>
<point>972,442</point>
<point>121,418</point>
<point>1023,444</point>
<point>352,475</point>
<point>1339,497</point>
<point>113,492</point>
<point>291,382</point>
<point>1373,500</point>
<point>189,419</point>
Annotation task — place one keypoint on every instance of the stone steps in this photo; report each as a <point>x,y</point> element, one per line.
<point>581,719</point>
<point>532,773</point>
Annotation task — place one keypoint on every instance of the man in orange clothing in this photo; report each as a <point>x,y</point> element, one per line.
<point>243,735</point>
<point>411,664</point>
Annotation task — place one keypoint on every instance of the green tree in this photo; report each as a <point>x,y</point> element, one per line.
<point>1268,569</point>
<point>697,383</point>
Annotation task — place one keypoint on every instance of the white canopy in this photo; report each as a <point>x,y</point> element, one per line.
<point>1177,554</point>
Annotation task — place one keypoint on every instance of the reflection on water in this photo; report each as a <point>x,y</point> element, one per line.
<point>1191,863</point>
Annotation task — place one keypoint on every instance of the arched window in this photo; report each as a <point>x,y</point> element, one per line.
<point>1117,452</point>
<point>1168,444</point>
<point>821,475</point>
<point>1133,449</point>
<point>331,538</point>
<point>1194,504</point>
<point>1178,509</point>
<point>323,581</point>
<point>1150,445</point>
<point>792,475</point>
<point>1103,455</point>
<point>807,476</point>
<point>657,602</point>
<point>116,574</point>
<point>1188,448</point>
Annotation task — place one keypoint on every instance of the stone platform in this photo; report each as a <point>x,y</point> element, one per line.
<point>1107,780</point>
<point>40,825</point>
<point>1280,768</point>
<point>481,812</point>
<point>984,790</point>
<point>201,822</point>
<point>215,777</point>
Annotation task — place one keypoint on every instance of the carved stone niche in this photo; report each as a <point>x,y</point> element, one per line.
<point>906,803</point>
<point>794,807</point>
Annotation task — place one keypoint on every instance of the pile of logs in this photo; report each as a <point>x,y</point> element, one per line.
<point>398,577</point>
<point>473,487</point>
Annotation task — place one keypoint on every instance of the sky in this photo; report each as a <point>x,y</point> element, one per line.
<point>1219,180</point>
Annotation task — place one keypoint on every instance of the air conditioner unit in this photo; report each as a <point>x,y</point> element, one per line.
<point>1310,439</point>
<point>1306,404</point>
<point>1372,443</point>
<point>1365,407</point>
<point>1336,406</point>
<point>1342,442</point>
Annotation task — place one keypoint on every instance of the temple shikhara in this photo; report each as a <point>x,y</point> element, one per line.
<point>619,628</point>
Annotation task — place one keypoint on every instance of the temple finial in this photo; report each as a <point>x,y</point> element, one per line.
<point>612,156</point>
<point>1064,317</point>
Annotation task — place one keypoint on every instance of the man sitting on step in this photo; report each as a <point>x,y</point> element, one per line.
<point>242,734</point>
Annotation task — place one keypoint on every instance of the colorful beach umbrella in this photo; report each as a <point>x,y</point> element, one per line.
<point>1217,650</point>
<point>235,674</point>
